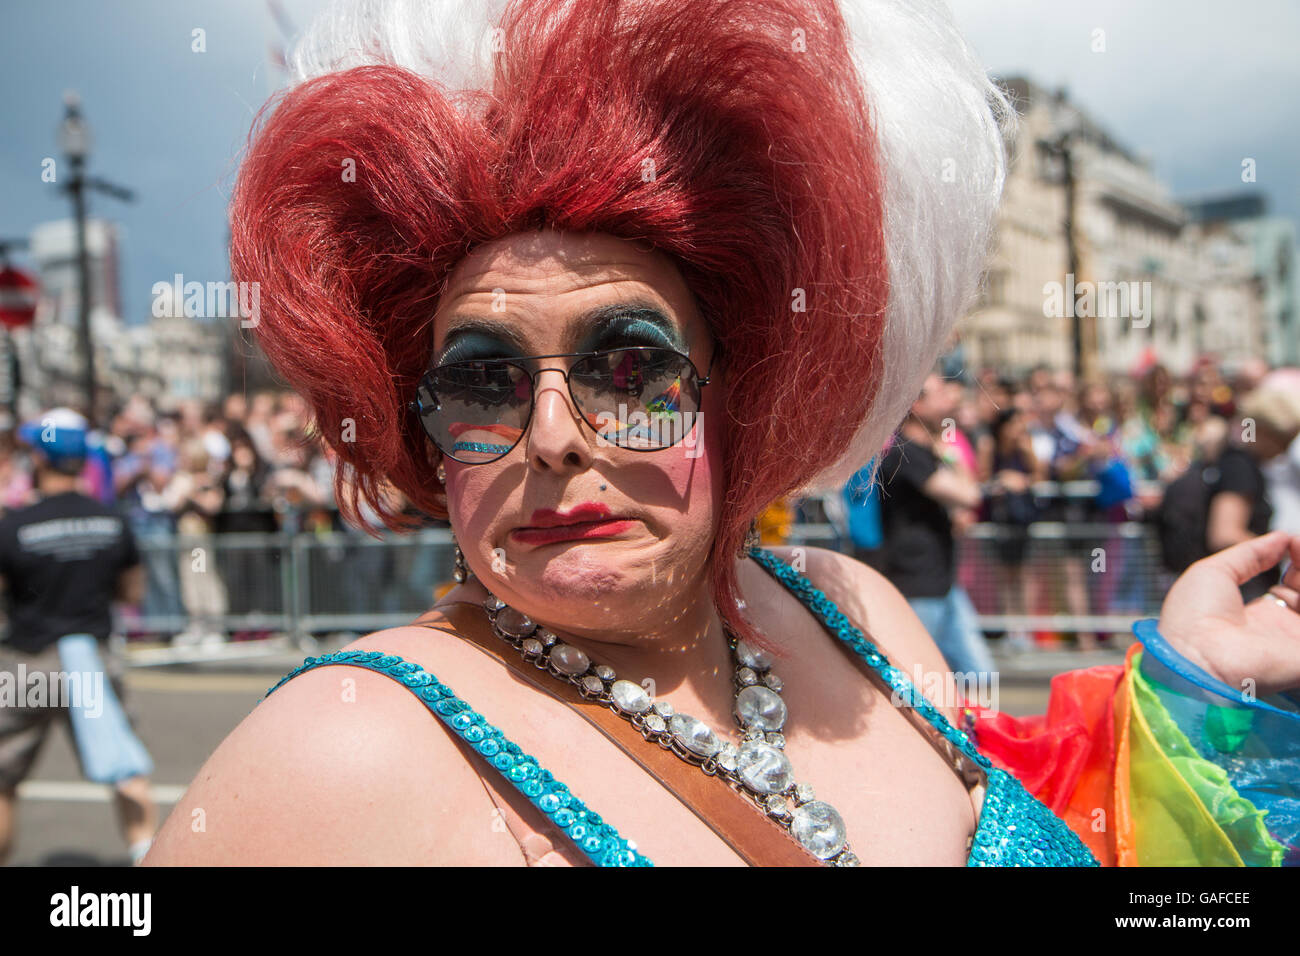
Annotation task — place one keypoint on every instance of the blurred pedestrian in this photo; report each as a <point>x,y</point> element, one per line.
<point>1012,507</point>
<point>1282,472</point>
<point>197,496</point>
<point>251,582</point>
<point>922,482</point>
<point>63,561</point>
<point>1239,504</point>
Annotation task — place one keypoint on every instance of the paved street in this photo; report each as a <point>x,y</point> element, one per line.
<point>63,820</point>
<point>184,715</point>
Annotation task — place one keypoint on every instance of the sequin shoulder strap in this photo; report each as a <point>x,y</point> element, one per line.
<point>597,840</point>
<point>1014,828</point>
<point>730,814</point>
<point>894,680</point>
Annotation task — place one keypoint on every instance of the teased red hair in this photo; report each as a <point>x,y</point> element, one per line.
<point>765,189</point>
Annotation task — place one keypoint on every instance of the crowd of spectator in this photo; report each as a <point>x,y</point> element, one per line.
<point>243,465</point>
<point>205,472</point>
<point>252,464</point>
<point>1205,460</point>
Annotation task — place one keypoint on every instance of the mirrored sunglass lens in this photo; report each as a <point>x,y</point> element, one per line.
<point>476,411</point>
<point>643,399</point>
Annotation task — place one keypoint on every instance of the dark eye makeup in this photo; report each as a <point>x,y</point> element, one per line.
<point>629,325</point>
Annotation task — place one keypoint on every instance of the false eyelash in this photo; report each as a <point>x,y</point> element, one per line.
<point>460,352</point>
<point>634,332</point>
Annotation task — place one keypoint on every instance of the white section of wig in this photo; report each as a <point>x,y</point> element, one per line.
<point>936,114</point>
<point>450,41</point>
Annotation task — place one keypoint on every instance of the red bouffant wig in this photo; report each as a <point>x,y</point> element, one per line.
<point>731,135</point>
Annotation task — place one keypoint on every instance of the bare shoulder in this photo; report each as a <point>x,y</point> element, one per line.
<point>341,765</point>
<point>877,609</point>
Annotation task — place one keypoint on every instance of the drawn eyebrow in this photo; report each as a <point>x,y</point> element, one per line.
<point>605,316</point>
<point>599,317</point>
<point>493,327</point>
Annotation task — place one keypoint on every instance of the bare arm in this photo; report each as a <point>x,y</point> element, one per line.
<point>984,448</point>
<point>340,766</point>
<point>1229,521</point>
<point>952,489</point>
<point>130,585</point>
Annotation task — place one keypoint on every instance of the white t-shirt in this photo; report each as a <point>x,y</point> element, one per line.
<point>1283,476</point>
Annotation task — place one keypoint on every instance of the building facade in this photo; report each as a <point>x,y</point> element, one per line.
<point>1150,278</point>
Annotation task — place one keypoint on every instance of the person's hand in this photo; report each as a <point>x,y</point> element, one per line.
<point>1013,481</point>
<point>1251,647</point>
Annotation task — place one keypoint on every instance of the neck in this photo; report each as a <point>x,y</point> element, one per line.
<point>688,646</point>
<point>685,648</point>
<point>55,483</point>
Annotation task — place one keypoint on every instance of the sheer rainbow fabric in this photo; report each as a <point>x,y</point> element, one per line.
<point>1156,763</point>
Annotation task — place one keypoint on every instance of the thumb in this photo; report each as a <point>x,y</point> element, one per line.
<point>1243,561</point>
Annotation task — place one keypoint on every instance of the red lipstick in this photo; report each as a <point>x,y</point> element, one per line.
<point>587,520</point>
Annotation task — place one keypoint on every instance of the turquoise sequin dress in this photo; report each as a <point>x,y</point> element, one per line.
<point>1014,828</point>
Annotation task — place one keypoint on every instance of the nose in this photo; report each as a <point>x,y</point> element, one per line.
<point>557,439</point>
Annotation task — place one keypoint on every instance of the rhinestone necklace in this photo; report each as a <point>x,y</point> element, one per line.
<point>757,768</point>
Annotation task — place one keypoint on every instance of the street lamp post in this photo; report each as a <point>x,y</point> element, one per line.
<point>1061,146</point>
<point>74,140</point>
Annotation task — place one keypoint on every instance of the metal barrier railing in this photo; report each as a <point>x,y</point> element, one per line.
<point>1049,576</point>
<point>220,589</point>
<point>240,585</point>
<point>1062,577</point>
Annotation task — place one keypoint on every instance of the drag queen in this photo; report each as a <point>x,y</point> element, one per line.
<point>597,281</point>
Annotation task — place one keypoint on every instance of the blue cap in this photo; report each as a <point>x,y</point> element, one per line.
<point>60,434</point>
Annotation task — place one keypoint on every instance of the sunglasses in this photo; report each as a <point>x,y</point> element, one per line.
<point>642,398</point>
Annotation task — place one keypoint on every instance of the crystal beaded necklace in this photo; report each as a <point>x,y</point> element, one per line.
<point>758,767</point>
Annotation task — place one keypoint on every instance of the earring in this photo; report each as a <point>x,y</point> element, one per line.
<point>460,570</point>
<point>752,539</point>
<point>442,474</point>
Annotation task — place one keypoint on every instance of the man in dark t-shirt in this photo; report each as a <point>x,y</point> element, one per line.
<point>919,550</point>
<point>63,561</point>
<point>921,481</point>
<point>1239,509</point>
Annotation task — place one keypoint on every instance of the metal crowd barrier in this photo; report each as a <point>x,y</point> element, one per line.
<point>1050,576</point>
<point>202,591</point>
<point>238,589</point>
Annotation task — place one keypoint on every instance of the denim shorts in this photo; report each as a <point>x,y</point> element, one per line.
<point>25,721</point>
<point>952,622</point>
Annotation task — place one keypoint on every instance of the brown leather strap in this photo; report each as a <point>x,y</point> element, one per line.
<point>735,818</point>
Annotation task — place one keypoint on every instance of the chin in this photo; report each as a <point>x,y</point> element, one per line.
<point>578,572</point>
<point>588,583</point>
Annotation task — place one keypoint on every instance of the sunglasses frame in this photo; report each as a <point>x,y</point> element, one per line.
<point>701,382</point>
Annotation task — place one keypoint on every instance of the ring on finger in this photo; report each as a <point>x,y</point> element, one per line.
<point>1288,597</point>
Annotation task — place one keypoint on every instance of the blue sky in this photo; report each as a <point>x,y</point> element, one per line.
<point>167,122</point>
<point>1194,84</point>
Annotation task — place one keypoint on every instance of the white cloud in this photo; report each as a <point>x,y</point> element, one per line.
<point>1194,84</point>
